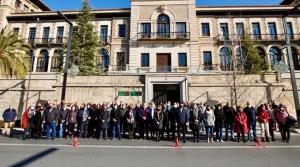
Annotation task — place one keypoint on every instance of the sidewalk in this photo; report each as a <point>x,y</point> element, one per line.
<point>17,139</point>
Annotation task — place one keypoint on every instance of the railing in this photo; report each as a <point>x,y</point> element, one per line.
<point>46,41</point>
<point>163,35</point>
<point>168,69</point>
<point>105,39</point>
<point>257,37</point>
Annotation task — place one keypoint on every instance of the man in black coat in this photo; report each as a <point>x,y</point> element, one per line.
<point>172,119</point>
<point>250,111</point>
<point>228,122</point>
<point>51,116</point>
<point>166,122</point>
<point>219,122</point>
<point>182,121</point>
<point>115,117</point>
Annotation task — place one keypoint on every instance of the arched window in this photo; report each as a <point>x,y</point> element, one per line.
<point>275,55</point>
<point>42,61</point>
<point>295,54</point>
<point>163,26</point>
<point>103,59</point>
<point>225,59</point>
<point>57,61</point>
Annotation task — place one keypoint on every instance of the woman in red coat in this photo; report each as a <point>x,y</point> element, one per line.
<point>25,122</point>
<point>263,119</point>
<point>240,124</point>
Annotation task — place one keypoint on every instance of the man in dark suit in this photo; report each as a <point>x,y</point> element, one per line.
<point>50,117</point>
<point>182,120</point>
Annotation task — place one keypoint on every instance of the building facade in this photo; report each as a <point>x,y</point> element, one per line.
<point>164,50</point>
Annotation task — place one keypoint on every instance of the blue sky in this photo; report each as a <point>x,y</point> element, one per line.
<point>96,4</point>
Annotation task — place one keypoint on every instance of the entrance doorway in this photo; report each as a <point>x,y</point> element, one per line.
<point>166,92</point>
<point>163,62</point>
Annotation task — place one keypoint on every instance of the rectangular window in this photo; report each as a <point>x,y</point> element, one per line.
<point>146,30</point>
<point>272,31</point>
<point>240,29</point>
<point>182,60</point>
<point>16,30</point>
<point>207,59</point>
<point>224,30</point>
<point>181,30</point>
<point>256,31</point>
<point>31,35</point>
<point>46,33</point>
<point>121,61</point>
<point>122,30</point>
<point>205,29</point>
<point>103,33</point>
<point>290,31</point>
<point>145,60</point>
<point>60,35</point>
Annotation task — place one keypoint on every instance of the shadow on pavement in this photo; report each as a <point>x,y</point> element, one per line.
<point>35,157</point>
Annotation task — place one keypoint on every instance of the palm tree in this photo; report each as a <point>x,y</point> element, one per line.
<point>14,59</point>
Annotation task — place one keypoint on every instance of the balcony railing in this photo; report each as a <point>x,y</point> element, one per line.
<point>163,36</point>
<point>46,41</point>
<point>105,39</point>
<point>257,37</point>
<point>166,69</point>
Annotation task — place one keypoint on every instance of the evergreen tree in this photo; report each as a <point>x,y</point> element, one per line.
<point>254,63</point>
<point>85,43</point>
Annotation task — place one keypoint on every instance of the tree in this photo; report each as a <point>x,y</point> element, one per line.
<point>85,43</point>
<point>254,63</point>
<point>14,60</point>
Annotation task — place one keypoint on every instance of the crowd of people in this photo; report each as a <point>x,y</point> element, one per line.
<point>152,122</point>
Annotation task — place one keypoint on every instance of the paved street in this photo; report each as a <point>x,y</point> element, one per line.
<point>125,153</point>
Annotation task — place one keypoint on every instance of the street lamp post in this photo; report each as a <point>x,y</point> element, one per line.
<point>63,92</point>
<point>291,62</point>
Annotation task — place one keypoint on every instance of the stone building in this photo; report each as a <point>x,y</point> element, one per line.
<point>159,50</point>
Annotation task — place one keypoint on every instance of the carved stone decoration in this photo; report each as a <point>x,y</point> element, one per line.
<point>162,8</point>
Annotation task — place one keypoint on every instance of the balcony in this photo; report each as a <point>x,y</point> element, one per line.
<point>46,41</point>
<point>167,69</point>
<point>181,36</point>
<point>105,39</point>
<point>257,37</point>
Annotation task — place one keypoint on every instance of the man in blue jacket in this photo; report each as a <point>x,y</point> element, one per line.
<point>9,116</point>
<point>250,111</point>
<point>182,119</point>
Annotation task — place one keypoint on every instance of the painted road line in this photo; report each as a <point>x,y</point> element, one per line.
<point>146,147</point>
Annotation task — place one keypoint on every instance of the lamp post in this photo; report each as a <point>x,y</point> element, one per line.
<point>63,92</point>
<point>291,62</point>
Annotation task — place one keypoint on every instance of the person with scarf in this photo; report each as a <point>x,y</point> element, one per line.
<point>130,121</point>
<point>158,122</point>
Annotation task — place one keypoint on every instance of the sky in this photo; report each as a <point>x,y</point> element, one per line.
<point>99,4</point>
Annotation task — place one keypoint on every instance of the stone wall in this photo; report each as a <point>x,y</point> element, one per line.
<point>211,88</point>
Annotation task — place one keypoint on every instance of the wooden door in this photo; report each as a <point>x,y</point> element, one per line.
<point>163,62</point>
